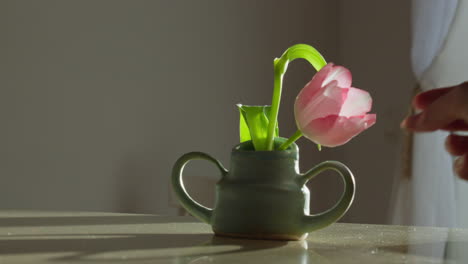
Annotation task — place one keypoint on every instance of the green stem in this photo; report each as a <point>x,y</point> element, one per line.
<point>280,66</point>
<point>291,140</point>
<point>275,102</point>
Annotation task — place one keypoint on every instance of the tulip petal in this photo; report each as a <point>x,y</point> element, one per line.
<point>325,76</point>
<point>315,85</point>
<point>340,74</point>
<point>358,102</point>
<point>328,102</point>
<point>332,131</point>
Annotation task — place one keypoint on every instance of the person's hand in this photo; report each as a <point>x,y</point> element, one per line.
<point>444,109</point>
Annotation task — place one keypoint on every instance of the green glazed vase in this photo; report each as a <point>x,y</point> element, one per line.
<point>263,195</point>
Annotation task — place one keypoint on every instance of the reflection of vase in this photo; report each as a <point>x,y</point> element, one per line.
<point>252,251</point>
<point>263,196</point>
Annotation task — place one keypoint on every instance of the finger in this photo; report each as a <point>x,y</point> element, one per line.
<point>424,99</point>
<point>461,167</point>
<point>457,125</point>
<point>442,112</point>
<point>457,145</point>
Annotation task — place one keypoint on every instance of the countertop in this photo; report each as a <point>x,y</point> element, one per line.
<point>90,237</point>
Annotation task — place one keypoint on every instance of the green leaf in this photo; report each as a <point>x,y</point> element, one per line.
<point>244,132</point>
<point>253,125</point>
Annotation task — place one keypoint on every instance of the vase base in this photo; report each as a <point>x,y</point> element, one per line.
<point>282,237</point>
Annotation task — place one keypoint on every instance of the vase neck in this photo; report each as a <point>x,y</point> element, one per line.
<point>263,166</point>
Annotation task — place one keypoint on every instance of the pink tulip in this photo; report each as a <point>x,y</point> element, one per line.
<point>329,111</point>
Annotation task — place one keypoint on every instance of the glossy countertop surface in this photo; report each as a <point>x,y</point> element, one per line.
<point>83,237</point>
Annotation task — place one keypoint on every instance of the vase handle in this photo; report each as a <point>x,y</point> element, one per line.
<point>194,208</point>
<point>321,220</point>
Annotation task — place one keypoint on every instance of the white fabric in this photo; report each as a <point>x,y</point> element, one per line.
<point>431,20</point>
<point>451,65</point>
<point>437,193</point>
<point>437,197</point>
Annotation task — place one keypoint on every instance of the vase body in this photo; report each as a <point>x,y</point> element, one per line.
<point>263,195</point>
<point>260,196</point>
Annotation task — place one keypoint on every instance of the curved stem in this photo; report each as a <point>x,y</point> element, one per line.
<point>298,51</point>
<point>292,139</point>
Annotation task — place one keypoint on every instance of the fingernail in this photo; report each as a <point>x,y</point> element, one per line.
<point>413,121</point>
<point>404,123</point>
<point>458,166</point>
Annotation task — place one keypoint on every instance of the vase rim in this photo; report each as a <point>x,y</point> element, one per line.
<point>291,150</point>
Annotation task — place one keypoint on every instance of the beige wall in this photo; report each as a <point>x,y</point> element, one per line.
<point>374,43</point>
<point>374,39</point>
<point>99,98</point>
